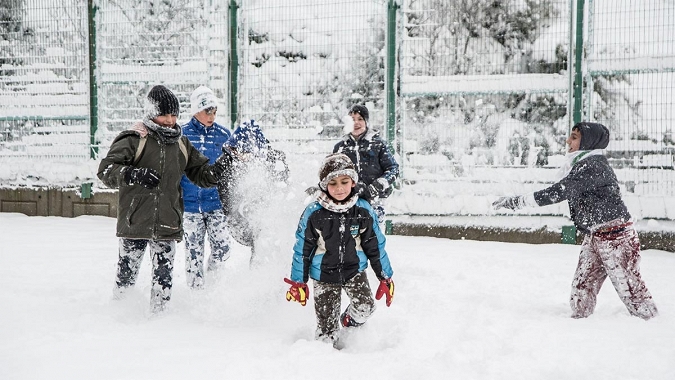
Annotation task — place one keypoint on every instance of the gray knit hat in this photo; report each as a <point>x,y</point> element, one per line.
<point>335,165</point>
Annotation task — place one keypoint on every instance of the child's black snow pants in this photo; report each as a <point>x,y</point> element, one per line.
<point>327,304</point>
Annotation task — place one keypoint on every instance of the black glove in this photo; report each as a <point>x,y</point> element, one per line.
<point>362,191</point>
<point>222,163</point>
<point>374,193</point>
<point>146,177</point>
<point>513,203</point>
<point>381,184</point>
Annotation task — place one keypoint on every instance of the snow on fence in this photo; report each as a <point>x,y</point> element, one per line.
<point>482,103</point>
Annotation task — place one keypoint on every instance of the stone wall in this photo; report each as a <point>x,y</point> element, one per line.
<point>67,202</point>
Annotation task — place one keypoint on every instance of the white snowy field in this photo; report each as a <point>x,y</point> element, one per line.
<point>462,310</point>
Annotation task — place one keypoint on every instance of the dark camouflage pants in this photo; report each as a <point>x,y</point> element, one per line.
<point>162,252</point>
<point>616,256</point>
<point>327,299</point>
<point>196,227</point>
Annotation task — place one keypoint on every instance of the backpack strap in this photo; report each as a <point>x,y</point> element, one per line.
<point>139,149</point>
<point>141,146</point>
<point>183,148</point>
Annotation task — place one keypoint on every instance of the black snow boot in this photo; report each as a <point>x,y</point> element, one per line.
<point>347,321</point>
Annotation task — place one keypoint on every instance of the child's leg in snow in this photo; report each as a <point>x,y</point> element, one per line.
<point>195,230</point>
<point>327,308</point>
<point>588,279</point>
<point>219,238</point>
<point>162,253</point>
<point>131,253</point>
<point>361,302</point>
<point>620,255</point>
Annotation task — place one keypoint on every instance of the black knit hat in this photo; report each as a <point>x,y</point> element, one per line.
<point>335,165</point>
<point>161,101</point>
<point>361,110</point>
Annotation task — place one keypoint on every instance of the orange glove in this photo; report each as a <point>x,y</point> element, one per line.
<point>299,292</point>
<point>386,288</point>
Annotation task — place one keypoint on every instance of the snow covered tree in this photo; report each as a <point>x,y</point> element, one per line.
<point>486,37</point>
<point>161,31</point>
<point>13,34</point>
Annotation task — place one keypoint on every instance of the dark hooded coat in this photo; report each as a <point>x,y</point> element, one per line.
<point>591,187</point>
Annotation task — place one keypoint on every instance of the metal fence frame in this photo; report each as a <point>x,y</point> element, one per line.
<point>229,73</point>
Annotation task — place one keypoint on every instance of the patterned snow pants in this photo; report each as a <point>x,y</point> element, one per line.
<point>613,252</point>
<point>327,305</point>
<point>196,226</point>
<point>378,206</point>
<point>162,252</point>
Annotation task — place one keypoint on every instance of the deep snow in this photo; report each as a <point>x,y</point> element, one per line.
<point>462,310</point>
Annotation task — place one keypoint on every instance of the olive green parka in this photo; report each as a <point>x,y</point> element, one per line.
<point>155,214</point>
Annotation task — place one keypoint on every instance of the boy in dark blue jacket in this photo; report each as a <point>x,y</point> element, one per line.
<point>337,236</point>
<point>373,161</point>
<point>203,211</point>
<point>611,247</point>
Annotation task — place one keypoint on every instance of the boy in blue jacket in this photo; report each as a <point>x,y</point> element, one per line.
<point>203,211</point>
<point>611,247</point>
<point>336,237</point>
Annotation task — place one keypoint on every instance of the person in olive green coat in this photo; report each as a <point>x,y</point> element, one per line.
<point>146,164</point>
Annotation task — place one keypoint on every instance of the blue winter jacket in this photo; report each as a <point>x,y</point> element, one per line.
<point>209,142</point>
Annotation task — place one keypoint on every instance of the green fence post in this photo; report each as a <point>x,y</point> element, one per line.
<point>569,235</point>
<point>388,227</point>
<point>234,65</point>
<point>391,72</point>
<point>578,55</point>
<point>85,190</point>
<point>93,90</point>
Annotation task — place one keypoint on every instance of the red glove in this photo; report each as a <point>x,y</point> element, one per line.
<point>386,288</point>
<point>299,292</point>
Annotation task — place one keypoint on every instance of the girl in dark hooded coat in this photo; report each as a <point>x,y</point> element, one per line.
<point>611,247</point>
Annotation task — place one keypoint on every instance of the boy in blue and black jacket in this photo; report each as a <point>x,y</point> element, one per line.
<point>337,236</point>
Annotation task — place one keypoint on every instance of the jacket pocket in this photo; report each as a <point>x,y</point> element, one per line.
<point>140,210</point>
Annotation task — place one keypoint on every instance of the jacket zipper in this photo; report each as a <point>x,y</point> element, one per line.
<point>341,250</point>
<point>157,190</point>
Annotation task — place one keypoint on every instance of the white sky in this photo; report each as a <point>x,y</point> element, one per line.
<point>462,309</point>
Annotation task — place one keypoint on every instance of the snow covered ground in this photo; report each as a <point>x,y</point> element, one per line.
<point>462,310</point>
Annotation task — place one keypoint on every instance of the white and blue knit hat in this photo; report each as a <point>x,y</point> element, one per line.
<point>202,98</point>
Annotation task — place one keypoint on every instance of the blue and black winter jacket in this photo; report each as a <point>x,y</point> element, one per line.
<point>333,246</point>
<point>209,142</point>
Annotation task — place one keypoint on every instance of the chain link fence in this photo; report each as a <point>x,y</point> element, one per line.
<point>304,63</point>
<point>182,44</point>
<point>629,83</point>
<point>485,91</point>
<point>44,93</point>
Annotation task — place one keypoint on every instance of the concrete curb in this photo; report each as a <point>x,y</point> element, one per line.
<point>661,240</point>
